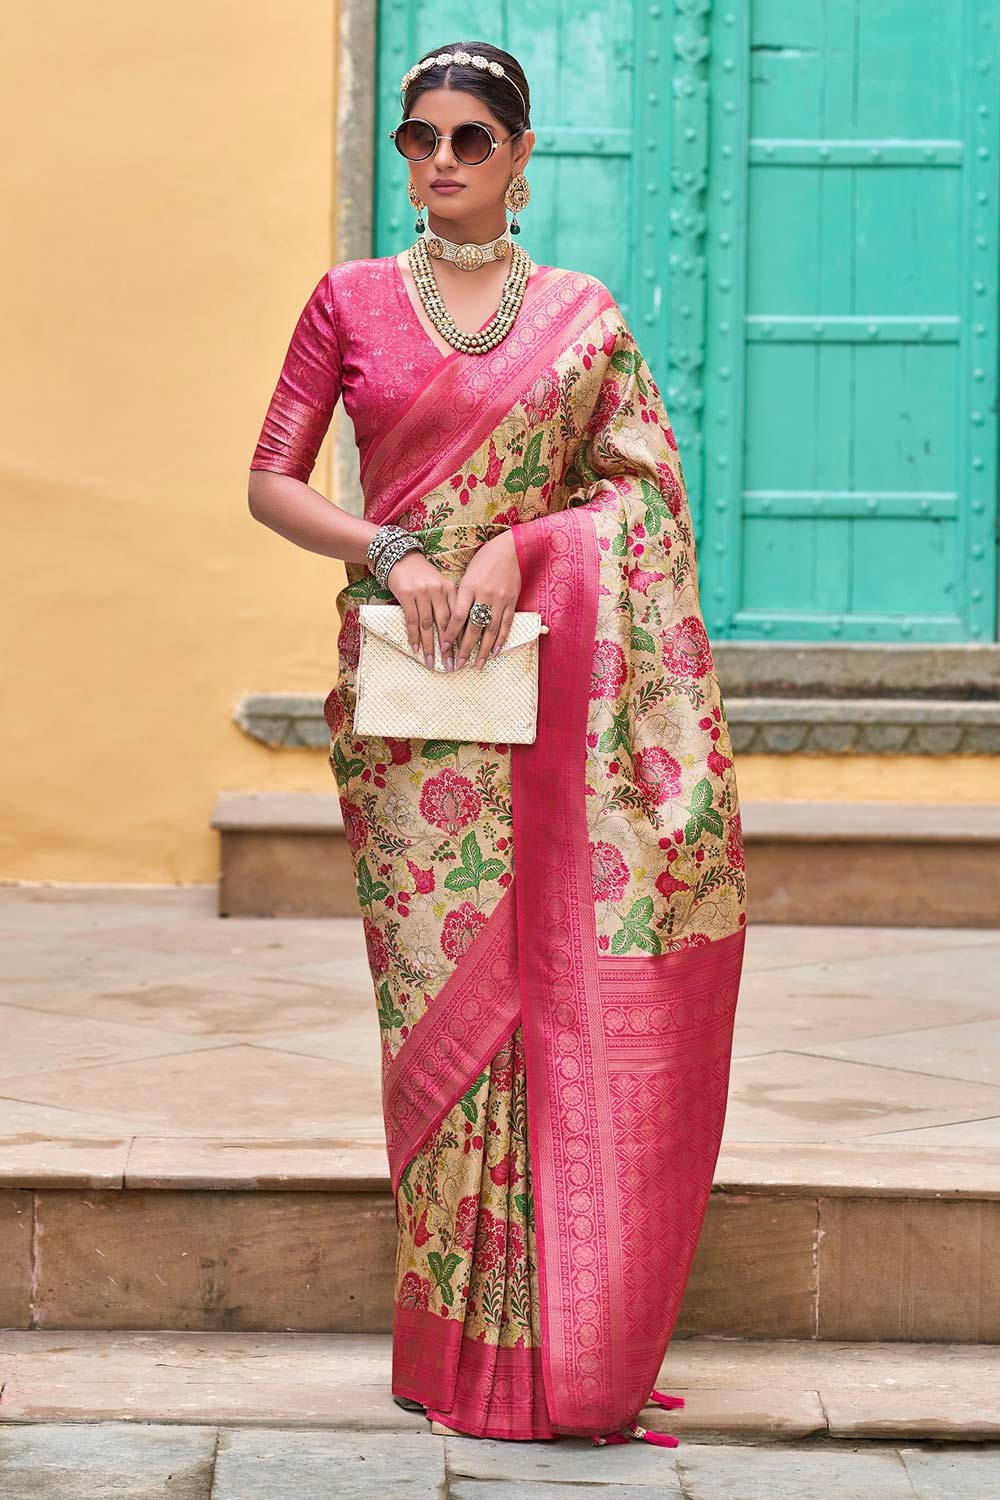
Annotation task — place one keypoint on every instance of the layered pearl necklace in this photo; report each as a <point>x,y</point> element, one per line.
<point>499,325</point>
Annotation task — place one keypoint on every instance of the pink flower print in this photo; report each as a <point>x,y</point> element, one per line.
<point>667,884</point>
<point>449,801</point>
<point>508,517</point>
<point>542,399</point>
<point>400,751</point>
<point>421,1234</point>
<point>608,402</point>
<point>670,488</point>
<point>423,880</point>
<point>355,825</point>
<point>686,647</point>
<point>491,1242</point>
<point>608,670</point>
<point>413,518</point>
<point>503,1171</point>
<point>415,1291</point>
<point>610,872</point>
<point>465,1222</point>
<point>349,639</point>
<point>717,762</point>
<point>378,953</point>
<point>734,843</point>
<point>639,580</point>
<point>494,468</point>
<point>657,774</point>
<point>459,930</point>
<point>333,711</point>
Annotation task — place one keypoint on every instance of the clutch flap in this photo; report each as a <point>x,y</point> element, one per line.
<point>388,622</point>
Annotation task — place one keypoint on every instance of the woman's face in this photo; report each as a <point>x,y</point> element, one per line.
<point>483,184</point>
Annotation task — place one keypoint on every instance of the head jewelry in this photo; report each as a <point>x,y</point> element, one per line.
<point>475,58</point>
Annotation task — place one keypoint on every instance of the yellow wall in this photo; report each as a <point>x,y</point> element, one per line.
<point>168,206</point>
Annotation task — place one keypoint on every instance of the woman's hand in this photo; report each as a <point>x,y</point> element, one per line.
<point>492,577</point>
<point>427,597</point>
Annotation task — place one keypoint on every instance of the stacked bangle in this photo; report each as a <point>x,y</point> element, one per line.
<point>387,546</point>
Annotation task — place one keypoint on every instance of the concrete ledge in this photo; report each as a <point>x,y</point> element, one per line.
<point>793,724</point>
<point>865,863</point>
<point>775,1389</point>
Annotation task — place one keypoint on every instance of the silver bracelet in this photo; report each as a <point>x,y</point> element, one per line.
<point>381,539</point>
<point>390,554</point>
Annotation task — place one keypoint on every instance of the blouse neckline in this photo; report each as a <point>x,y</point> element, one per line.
<point>405,299</point>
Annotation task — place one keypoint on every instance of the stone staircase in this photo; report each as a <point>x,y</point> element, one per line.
<point>195,1216</point>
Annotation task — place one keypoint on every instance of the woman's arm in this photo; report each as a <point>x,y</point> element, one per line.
<point>296,511</point>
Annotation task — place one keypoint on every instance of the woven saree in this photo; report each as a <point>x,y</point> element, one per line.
<point>555,930</point>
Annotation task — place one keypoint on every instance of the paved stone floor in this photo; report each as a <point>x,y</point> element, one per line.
<point>128,1461</point>
<point>132,1017</point>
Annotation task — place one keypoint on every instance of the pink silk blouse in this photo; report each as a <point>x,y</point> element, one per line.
<point>358,335</point>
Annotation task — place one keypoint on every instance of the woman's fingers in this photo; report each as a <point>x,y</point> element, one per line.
<point>506,620</point>
<point>442,614</point>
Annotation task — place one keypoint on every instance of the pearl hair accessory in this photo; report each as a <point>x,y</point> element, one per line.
<point>475,58</point>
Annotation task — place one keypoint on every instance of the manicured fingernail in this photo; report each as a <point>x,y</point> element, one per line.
<point>428,659</point>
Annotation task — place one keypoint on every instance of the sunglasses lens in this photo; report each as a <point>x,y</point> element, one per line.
<point>471,143</point>
<point>414,139</point>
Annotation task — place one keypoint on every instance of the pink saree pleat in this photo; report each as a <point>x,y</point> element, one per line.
<point>554,1104</point>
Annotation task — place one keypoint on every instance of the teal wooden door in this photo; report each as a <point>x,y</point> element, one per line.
<point>851,404</point>
<point>795,204</point>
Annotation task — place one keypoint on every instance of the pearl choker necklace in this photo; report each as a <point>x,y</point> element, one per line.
<point>468,256</point>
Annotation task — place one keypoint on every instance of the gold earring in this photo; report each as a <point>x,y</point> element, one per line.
<point>417,203</point>
<point>516,197</point>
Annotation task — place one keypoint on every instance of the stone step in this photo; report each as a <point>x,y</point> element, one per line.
<point>863,863</point>
<point>783,1389</point>
<point>849,1240</point>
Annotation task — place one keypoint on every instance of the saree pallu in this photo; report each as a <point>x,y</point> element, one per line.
<point>555,930</point>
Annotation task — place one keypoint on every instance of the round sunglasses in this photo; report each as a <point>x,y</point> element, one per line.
<point>472,142</point>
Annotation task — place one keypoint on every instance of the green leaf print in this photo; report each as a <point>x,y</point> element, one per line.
<point>657,509</point>
<point>443,1268</point>
<point>432,541</point>
<point>389,1014</point>
<point>404,1181</point>
<point>629,361</point>
<point>642,640</point>
<point>618,735</point>
<point>531,474</point>
<point>468,1099</point>
<point>526,1205</point>
<point>635,931</point>
<point>473,870</point>
<point>703,814</point>
<point>344,769</point>
<point>438,749</point>
<point>369,890</point>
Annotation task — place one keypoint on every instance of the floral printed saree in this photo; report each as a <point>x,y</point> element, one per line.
<point>555,930</point>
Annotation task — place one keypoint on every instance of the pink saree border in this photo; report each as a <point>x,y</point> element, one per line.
<point>574,1173</point>
<point>464,400</point>
<point>466,1023</point>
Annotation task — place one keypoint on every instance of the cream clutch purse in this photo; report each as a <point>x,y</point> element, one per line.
<point>397,695</point>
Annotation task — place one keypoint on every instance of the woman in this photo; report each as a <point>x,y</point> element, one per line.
<point>555,930</point>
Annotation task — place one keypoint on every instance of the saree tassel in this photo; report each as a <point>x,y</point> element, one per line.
<point>669,1403</point>
<point>660,1439</point>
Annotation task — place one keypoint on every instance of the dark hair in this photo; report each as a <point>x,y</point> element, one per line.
<point>498,94</point>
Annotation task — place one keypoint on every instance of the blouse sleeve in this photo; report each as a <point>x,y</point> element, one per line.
<point>302,405</point>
